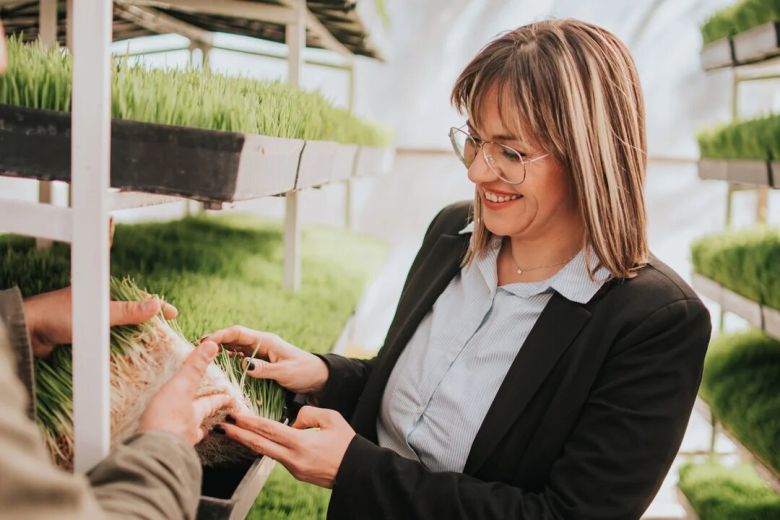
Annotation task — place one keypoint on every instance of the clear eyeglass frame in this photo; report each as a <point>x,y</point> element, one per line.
<point>507,163</point>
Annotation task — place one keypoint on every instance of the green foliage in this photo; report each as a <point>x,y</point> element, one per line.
<point>740,382</point>
<point>284,498</point>
<point>40,78</point>
<point>717,492</point>
<point>744,261</point>
<point>218,272</point>
<point>754,139</point>
<point>739,17</point>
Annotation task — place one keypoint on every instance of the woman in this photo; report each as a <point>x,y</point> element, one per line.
<point>541,363</point>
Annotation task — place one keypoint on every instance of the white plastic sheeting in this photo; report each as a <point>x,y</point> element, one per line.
<point>431,41</point>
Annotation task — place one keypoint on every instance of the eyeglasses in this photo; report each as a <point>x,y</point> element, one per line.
<point>507,163</point>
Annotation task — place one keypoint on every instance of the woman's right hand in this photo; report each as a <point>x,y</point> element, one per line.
<point>294,369</point>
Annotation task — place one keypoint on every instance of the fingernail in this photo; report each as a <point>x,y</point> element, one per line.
<point>230,419</point>
<point>149,305</point>
<point>218,429</point>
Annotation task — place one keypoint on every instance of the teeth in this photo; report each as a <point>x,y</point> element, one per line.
<point>493,197</point>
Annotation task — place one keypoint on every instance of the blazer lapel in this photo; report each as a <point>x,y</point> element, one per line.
<point>556,328</point>
<point>424,288</point>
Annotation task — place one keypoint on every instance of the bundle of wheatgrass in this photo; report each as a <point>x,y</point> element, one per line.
<point>41,78</point>
<point>143,358</point>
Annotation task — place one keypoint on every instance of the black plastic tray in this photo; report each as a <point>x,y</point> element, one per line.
<point>199,164</point>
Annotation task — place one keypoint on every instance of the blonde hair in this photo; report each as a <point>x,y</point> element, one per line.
<point>572,88</point>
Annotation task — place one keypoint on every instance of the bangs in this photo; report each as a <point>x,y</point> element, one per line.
<point>509,74</point>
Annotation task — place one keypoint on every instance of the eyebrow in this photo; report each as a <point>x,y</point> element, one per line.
<point>512,138</point>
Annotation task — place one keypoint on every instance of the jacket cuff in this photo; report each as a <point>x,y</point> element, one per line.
<point>12,311</point>
<point>336,395</point>
<point>159,468</point>
<point>354,477</point>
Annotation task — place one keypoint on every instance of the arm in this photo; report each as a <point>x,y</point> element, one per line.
<point>612,463</point>
<point>155,475</point>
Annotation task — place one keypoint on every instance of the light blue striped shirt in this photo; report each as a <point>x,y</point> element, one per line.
<point>445,380</point>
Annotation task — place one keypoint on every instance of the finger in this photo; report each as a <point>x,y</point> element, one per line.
<point>259,368</point>
<point>191,373</point>
<point>169,311</point>
<point>243,338</point>
<point>272,430</point>
<point>257,443</point>
<point>209,405</point>
<point>311,417</point>
<point>131,313</point>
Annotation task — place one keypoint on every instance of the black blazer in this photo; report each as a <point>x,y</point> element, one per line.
<point>585,425</point>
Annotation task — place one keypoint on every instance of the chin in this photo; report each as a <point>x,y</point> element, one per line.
<point>502,226</point>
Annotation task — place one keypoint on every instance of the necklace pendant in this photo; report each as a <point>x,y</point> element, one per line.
<point>519,271</point>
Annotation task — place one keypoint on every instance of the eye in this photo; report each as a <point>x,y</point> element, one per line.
<point>511,155</point>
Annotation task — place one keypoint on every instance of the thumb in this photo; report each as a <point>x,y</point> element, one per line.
<point>310,417</point>
<point>131,313</point>
<point>191,373</point>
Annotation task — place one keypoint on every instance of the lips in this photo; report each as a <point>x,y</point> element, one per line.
<point>497,199</point>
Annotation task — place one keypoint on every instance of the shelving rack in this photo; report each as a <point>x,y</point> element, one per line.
<point>86,28</point>
<point>757,46</point>
<point>762,317</point>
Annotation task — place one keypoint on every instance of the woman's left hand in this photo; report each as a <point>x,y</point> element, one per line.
<point>311,455</point>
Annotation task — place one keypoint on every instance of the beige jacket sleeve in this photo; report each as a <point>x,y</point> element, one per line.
<point>153,475</point>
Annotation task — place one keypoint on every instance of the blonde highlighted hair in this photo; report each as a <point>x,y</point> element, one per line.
<point>572,88</point>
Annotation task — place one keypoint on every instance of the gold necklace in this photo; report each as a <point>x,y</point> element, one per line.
<point>520,270</point>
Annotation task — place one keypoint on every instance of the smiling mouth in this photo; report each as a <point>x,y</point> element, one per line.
<point>498,198</point>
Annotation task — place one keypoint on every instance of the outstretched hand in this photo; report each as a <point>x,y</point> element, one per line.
<point>175,409</point>
<point>295,369</point>
<point>312,449</point>
<point>50,323</point>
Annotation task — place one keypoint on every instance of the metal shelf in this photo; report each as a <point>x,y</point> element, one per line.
<point>751,47</point>
<point>746,172</point>
<point>769,474</point>
<point>762,317</point>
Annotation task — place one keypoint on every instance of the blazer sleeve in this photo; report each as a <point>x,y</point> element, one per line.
<point>612,462</point>
<point>347,376</point>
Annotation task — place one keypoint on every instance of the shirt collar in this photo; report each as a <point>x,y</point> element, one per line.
<point>573,282</point>
<point>468,229</point>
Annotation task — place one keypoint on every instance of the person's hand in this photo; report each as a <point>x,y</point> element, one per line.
<point>3,55</point>
<point>310,455</point>
<point>49,317</point>
<point>295,369</point>
<point>174,407</point>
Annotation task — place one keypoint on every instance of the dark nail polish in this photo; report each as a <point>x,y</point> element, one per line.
<point>218,429</point>
<point>251,366</point>
<point>230,419</point>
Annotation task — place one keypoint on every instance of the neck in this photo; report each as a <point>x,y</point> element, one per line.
<point>539,258</point>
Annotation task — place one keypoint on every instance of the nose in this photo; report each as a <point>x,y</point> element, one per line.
<point>479,171</point>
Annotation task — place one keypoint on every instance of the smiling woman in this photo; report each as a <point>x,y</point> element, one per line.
<point>541,362</point>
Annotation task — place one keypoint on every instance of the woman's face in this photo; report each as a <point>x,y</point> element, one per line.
<point>544,206</point>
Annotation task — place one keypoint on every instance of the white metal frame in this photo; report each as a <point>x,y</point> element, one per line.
<point>86,223</point>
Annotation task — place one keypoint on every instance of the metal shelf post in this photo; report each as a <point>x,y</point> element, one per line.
<point>295,35</point>
<point>90,165</point>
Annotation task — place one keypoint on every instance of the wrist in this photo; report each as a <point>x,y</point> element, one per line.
<point>322,373</point>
